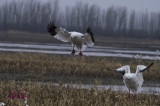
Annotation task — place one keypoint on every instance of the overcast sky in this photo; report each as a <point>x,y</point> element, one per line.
<point>138,5</point>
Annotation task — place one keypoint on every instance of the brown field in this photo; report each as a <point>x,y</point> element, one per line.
<point>40,94</point>
<point>37,64</point>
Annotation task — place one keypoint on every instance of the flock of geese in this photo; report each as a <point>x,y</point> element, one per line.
<point>133,81</point>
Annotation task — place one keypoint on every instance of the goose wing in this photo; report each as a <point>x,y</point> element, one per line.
<point>88,38</point>
<point>139,74</point>
<point>139,68</point>
<point>123,69</point>
<point>58,33</point>
<point>142,68</point>
<point>146,67</point>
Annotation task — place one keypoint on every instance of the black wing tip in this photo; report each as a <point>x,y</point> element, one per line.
<point>51,28</point>
<point>91,33</point>
<point>150,65</point>
<point>147,67</point>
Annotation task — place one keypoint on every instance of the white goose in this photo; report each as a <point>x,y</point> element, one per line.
<point>2,104</point>
<point>79,41</point>
<point>133,81</point>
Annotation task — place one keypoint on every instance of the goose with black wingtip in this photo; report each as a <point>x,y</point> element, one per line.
<point>133,81</point>
<point>79,41</point>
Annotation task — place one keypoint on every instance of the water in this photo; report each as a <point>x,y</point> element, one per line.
<point>146,89</point>
<point>91,51</point>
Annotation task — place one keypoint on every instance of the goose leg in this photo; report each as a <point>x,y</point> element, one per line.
<point>73,51</point>
<point>80,53</point>
<point>129,94</point>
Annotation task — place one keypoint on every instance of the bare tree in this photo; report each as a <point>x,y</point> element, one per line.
<point>132,23</point>
<point>158,28</point>
<point>33,15</point>
<point>111,19</point>
<point>84,16</point>
<point>144,23</point>
<point>122,21</point>
<point>153,24</point>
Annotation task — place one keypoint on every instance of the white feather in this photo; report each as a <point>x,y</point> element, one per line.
<point>2,104</point>
<point>88,40</point>
<point>132,81</point>
<point>77,41</point>
<point>139,74</point>
<point>62,35</point>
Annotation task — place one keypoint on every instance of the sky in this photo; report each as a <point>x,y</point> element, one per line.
<point>137,5</point>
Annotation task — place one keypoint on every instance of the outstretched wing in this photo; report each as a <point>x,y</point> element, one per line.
<point>88,38</point>
<point>141,68</point>
<point>59,33</point>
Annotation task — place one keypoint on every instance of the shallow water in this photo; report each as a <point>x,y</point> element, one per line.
<point>146,89</point>
<point>92,51</point>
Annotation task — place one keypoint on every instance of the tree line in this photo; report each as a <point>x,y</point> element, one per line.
<point>34,15</point>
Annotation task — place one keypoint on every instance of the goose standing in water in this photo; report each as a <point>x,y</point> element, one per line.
<point>133,81</point>
<point>79,41</point>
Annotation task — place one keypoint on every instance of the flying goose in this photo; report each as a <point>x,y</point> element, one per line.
<point>133,81</point>
<point>79,41</point>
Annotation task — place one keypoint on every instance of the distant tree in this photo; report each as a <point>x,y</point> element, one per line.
<point>144,25</point>
<point>91,15</point>
<point>132,23</point>
<point>4,15</point>
<point>67,17</point>
<point>153,24</point>
<point>54,10</point>
<point>158,27</point>
<point>34,15</point>
<point>111,20</point>
<point>122,21</point>
<point>84,16</point>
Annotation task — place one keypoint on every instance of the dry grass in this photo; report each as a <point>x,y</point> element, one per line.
<point>70,65</point>
<point>48,95</point>
<point>41,94</point>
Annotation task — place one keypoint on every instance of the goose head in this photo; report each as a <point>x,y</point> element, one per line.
<point>123,69</point>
